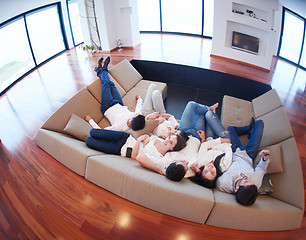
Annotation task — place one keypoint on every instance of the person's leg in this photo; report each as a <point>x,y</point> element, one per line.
<point>110,94</point>
<point>107,141</point>
<point>214,123</point>
<point>190,117</point>
<point>255,139</point>
<point>158,103</point>
<point>235,132</point>
<point>147,106</point>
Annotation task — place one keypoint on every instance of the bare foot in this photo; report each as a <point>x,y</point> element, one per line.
<point>213,107</point>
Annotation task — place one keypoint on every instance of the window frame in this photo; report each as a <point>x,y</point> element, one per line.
<point>281,37</point>
<point>179,33</point>
<point>23,16</point>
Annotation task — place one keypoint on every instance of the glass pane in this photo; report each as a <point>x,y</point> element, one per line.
<point>148,14</point>
<point>303,58</point>
<point>182,16</point>
<point>208,18</point>
<point>292,37</point>
<point>16,58</point>
<point>75,22</point>
<point>45,33</point>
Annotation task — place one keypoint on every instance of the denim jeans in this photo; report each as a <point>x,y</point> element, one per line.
<point>253,144</point>
<point>193,118</point>
<point>198,117</point>
<point>110,94</point>
<point>214,127</point>
<point>107,141</point>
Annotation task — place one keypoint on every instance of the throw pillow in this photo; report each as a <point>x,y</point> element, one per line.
<point>78,127</point>
<point>266,186</point>
<point>150,125</point>
<point>275,165</point>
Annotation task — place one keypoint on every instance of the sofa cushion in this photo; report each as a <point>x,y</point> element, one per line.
<point>125,74</point>
<point>276,127</point>
<point>236,112</point>
<point>266,103</point>
<point>69,151</point>
<point>95,88</point>
<point>80,104</point>
<point>266,214</point>
<point>126,178</point>
<point>78,127</point>
<point>149,127</point>
<point>275,165</point>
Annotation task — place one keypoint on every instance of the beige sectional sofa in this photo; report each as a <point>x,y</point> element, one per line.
<point>281,210</point>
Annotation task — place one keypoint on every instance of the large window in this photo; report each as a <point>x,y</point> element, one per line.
<point>293,38</point>
<point>74,17</point>
<point>176,16</point>
<point>28,40</point>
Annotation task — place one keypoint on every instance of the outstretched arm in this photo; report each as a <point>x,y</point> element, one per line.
<point>91,122</point>
<point>145,162</point>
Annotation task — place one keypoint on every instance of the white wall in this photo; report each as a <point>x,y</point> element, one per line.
<point>229,22</point>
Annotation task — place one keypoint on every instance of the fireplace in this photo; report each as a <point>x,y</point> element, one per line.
<point>245,42</point>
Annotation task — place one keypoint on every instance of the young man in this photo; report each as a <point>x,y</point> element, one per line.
<point>120,117</point>
<point>241,178</point>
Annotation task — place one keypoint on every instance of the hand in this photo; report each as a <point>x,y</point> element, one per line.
<point>137,97</point>
<point>225,140</point>
<point>265,153</point>
<point>142,137</point>
<point>201,133</point>
<point>195,168</point>
<point>87,118</point>
<point>161,119</point>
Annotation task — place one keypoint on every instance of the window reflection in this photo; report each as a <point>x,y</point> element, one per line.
<point>148,13</point>
<point>16,58</point>
<point>292,37</point>
<point>75,22</point>
<point>182,16</point>
<point>45,33</point>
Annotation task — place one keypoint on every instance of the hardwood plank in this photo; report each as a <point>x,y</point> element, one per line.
<point>42,199</point>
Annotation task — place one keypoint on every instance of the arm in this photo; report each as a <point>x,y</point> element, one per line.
<point>91,122</point>
<point>142,138</point>
<point>145,162</point>
<point>138,104</point>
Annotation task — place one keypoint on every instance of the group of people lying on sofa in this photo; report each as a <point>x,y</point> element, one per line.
<point>216,156</point>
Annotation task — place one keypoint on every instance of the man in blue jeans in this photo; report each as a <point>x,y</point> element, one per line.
<point>120,117</point>
<point>241,178</point>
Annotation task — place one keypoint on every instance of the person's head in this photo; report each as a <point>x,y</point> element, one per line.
<point>138,122</point>
<point>183,134</point>
<point>210,173</point>
<point>180,143</point>
<point>246,192</point>
<point>177,170</point>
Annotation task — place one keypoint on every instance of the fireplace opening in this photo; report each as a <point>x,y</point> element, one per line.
<point>245,42</point>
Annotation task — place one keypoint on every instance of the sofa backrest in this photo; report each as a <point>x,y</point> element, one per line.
<point>125,74</point>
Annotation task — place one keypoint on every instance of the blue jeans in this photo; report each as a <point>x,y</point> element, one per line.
<point>110,94</point>
<point>253,144</point>
<point>107,141</point>
<point>214,127</point>
<point>198,117</point>
<point>193,118</point>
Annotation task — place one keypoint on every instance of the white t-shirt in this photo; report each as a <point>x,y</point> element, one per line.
<point>168,125</point>
<point>118,116</point>
<point>189,153</point>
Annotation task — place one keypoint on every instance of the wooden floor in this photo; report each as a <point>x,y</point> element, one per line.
<point>42,199</point>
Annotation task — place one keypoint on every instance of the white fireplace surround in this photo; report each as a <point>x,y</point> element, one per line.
<point>254,18</point>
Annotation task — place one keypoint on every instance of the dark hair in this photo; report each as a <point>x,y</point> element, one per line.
<point>180,144</point>
<point>138,122</point>
<point>199,179</point>
<point>175,172</point>
<point>184,135</point>
<point>246,195</point>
